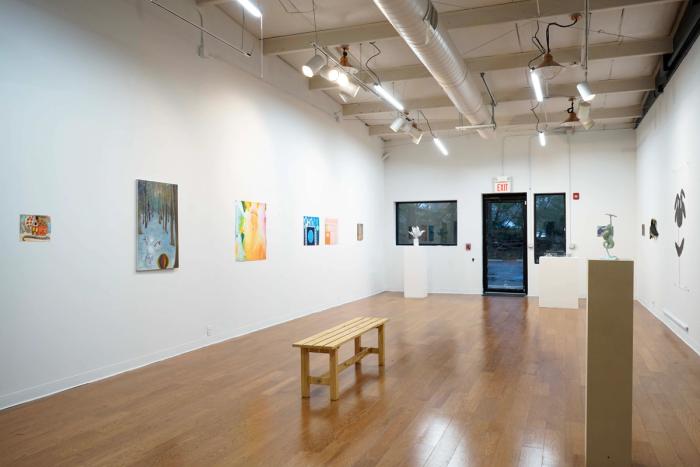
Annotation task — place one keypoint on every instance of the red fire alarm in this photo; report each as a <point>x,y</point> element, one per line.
<point>577,196</point>
<point>468,246</point>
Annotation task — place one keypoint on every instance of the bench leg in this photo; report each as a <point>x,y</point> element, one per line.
<point>380,344</point>
<point>305,386</point>
<point>358,348</point>
<point>333,374</point>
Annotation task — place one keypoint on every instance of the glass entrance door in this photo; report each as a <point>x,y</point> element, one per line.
<point>505,243</point>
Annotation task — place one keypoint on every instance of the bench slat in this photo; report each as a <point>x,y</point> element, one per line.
<point>336,336</point>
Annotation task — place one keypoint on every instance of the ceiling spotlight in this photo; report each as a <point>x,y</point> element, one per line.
<point>537,85</point>
<point>585,91</point>
<point>548,68</point>
<point>572,120</point>
<point>416,134</point>
<point>388,97</point>
<point>348,87</point>
<point>250,8</point>
<point>397,124</point>
<point>543,138</point>
<point>313,66</point>
<point>584,115</point>
<point>329,72</point>
<point>343,79</point>
<point>440,146</point>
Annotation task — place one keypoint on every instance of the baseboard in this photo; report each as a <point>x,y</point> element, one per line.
<point>47,389</point>
<point>682,335</point>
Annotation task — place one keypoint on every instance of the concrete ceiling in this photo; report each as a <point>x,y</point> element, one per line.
<point>627,39</point>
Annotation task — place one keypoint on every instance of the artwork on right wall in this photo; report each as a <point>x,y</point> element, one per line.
<point>34,228</point>
<point>331,231</point>
<point>311,227</point>
<point>251,231</point>
<point>360,232</point>
<point>653,232</point>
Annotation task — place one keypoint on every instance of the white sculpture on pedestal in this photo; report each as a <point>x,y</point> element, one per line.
<point>416,232</point>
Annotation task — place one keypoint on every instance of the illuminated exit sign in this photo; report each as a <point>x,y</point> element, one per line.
<point>502,184</point>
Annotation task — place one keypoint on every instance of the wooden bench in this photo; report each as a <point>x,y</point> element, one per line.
<point>329,341</point>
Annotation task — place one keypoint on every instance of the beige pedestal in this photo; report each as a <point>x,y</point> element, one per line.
<point>609,363</point>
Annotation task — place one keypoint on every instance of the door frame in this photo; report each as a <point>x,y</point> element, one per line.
<point>484,263</point>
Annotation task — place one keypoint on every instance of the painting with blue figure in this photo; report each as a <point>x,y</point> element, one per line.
<point>311,227</point>
<point>157,235</point>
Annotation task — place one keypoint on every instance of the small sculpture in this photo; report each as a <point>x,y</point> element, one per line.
<point>608,232</point>
<point>653,231</point>
<point>416,232</point>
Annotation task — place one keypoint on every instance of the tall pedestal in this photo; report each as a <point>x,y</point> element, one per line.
<point>609,363</point>
<point>415,272</point>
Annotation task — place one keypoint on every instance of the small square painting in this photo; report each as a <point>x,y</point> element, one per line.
<point>331,231</point>
<point>34,228</point>
<point>311,227</point>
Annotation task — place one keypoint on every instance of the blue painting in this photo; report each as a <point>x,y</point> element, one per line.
<point>157,236</point>
<point>311,227</point>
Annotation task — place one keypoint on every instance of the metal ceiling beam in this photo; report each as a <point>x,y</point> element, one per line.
<point>212,2</point>
<point>605,51</point>
<point>481,16</point>
<point>520,94</point>
<point>555,118</point>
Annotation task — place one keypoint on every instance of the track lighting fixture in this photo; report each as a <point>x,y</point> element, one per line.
<point>585,91</point>
<point>537,85</point>
<point>397,124</point>
<point>572,120</point>
<point>313,66</point>
<point>349,87</point>
<point>329,72</point>
<point>388,97</point>
<point>441,147</point>
<point>584,115</point>
<point>542,137</point>
<point>416,133</point>
<point>250,8</point>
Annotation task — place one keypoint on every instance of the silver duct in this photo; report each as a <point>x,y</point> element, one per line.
<point>417,23</point>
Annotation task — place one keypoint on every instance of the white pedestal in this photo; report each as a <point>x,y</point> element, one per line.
<point>415,272</point>
<point>558,281</point>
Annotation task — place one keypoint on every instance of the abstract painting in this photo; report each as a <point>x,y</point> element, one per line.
<point>34,228</point>
<point>331,231</point>
<point>311,227</point>
<point>360,232</point>
<point>157,237</point>
<point>251,237</point>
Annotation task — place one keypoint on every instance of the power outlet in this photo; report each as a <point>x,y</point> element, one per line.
<point>210,331</point>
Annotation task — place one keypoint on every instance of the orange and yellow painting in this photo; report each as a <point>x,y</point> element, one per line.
<point>251,238</point>
<point>331,231</point>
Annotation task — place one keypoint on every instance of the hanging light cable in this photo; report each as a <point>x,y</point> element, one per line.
<point>439,144</point>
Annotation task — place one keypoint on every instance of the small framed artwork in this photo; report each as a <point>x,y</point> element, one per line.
<point>34,228</point>
<point>360,232</point>
<point>311,228</point>
<point>331,231</point>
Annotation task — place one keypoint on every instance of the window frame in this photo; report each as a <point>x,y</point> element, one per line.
<point>534,224</point>
<point>396,222</point>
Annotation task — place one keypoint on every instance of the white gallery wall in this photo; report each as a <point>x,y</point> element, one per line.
<point>100,94</point>
<point>599,165</point>
<point>668,162</point>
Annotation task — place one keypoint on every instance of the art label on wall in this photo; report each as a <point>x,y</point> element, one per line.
<point>157,237</point>
<point>251,236</point>
<point>331,231</point>
<point>311,227</point>
<point>360,232</point>
<point>34,228</point>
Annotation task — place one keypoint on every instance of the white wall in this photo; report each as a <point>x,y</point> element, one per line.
<point>99,94</point>
<point>602,170</point>
<point>668,161</point>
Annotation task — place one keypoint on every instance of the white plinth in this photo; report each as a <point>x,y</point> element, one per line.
<point>558,281</point>
<point>415,272</point>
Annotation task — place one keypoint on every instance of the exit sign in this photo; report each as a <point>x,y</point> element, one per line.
<point>503,184</point>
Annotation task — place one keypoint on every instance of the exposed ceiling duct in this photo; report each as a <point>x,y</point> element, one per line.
<point>418,24</point>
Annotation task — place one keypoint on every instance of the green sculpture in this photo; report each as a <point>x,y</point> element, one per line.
<point>608,233</point>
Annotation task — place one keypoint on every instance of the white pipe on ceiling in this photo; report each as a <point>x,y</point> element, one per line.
<point>417,23</point>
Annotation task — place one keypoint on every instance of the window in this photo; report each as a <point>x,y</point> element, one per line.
<point>437,218</point>
<point>550,225</point>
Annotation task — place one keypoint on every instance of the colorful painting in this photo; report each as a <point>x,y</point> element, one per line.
<point>34,228</point>
<point>251,238</point>
<point>360,232</point>
<point>157,238</point>
<point>331,231</point>
<point>311,227</point>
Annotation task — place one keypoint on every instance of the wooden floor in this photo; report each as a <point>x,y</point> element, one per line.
<point>468,380</point>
